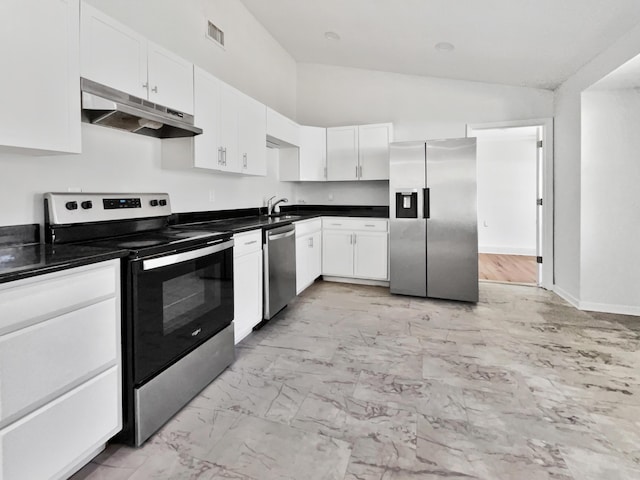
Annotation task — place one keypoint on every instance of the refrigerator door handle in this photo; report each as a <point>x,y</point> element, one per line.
<point>427,202</point>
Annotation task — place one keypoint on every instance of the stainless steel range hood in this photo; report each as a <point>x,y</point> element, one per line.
<point>102,105</point>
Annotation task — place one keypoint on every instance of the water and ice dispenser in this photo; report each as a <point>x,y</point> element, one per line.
<point>407,204</point>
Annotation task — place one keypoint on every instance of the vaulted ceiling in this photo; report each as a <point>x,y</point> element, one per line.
<point>534,43</point>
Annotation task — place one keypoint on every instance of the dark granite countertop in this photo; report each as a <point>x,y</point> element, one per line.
<point>21,257</point>
<point>238,221</point>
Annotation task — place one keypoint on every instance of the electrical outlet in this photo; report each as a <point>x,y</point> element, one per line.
<point>331,197</point>
<point>212,195</point>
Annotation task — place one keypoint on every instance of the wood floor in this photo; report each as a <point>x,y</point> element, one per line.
<point>508,268</point>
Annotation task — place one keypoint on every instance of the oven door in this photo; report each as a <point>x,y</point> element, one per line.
<point>178,302</point>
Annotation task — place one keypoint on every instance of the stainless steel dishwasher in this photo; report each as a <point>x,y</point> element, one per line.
<point>279,269</point>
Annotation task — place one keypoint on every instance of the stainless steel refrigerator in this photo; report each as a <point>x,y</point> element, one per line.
<point>433,219</point>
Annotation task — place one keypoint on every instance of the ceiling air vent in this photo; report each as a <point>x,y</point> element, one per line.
<point>215,34</point>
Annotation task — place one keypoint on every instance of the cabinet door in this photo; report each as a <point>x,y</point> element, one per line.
<point>374,151</point>
<point>252,135</point>
<point>302,262</point>
<point>315,257</point>
<point>313,154</point>
<point>371,255</point>
<point>342,153</point>
<point>229,99</point>
<point>40,83</point>
<point>337,253</point>
<point>170,79</point>
<point>111,53</point>
<point>247,294</point>
<point>207,117</point>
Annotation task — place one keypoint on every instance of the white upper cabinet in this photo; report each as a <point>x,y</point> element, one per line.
<point>170,79</point>
<point>282,130</point>
<point>342,153</point>
<point>111,53</point>
<point>252,133</point>
<point>313,153</point>
<point>373,156</point>
<point>115,55</point>
<point>233,126</point>
<point>359,152</point>
<point>39,85</point>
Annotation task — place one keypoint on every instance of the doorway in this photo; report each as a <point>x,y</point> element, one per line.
<point>514,202</point>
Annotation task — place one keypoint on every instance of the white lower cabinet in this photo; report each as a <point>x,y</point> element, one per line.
<point>355,248</point>
<point>60,387</point>
<point>308,253</point>
<point>247,282</point>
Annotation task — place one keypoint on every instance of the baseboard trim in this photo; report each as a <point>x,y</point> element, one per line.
<point>529,252</point>
<point>566,296</point>
<point>610,308</point>
<point>356,281</point>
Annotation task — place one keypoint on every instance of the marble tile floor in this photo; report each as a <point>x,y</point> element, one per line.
<point>350,382</point>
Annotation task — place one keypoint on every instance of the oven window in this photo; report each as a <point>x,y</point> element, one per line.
<point>190,296</point>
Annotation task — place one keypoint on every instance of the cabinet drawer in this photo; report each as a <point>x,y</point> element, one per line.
<point>306,227</point>
<point>35,299</point>
<point>351,223</point>
<point>247,242</point>
<point>50,441</point>
<point>40,362</point>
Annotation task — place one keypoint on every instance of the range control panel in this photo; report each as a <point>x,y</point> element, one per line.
<point>68,208</point>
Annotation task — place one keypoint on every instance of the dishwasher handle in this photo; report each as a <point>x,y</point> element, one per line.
<point>277,236</point>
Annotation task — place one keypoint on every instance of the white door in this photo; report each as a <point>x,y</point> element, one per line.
<point>373,146</point>
<point>313,154</point>
<point>371,255</point>
<point>337,253</point>
<point>252,134</point>
<point>110,53</point>
<point>229,128</point>
<point>247,293</point>
<point>170,79</point>
<point>342,153</point>
<point>207,117</point>
<point>302,262</point>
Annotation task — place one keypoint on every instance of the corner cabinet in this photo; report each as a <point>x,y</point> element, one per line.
<point>355,248</point>
<point>115,55</point>
<point>40,82</point>
<point>359,152</point>
<point>308,252</point>
<point>61,377</point>
<point>247,282</point>
<point>233,138</point>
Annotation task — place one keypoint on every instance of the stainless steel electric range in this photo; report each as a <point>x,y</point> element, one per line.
<point>177,292</point>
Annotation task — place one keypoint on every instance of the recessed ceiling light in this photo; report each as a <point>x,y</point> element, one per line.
<point>331,36</point>
<point>445,47</point>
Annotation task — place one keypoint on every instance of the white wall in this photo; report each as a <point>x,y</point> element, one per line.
<point>120,161</point>
<point>419,107</point>
<point>610,222</point>
<point>567,160</point>
<point>343,193</point>
<point>507,193</point>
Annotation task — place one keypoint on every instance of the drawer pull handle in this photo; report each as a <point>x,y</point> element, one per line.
<point>369,225</point>
<point>336,224</point>
<point>251,242</point>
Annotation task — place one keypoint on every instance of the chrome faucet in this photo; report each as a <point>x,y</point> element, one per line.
<point>272,205</point>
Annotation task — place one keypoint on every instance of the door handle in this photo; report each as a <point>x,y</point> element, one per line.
<point>427,203</point>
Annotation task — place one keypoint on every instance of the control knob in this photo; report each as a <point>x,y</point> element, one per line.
<point>163,202</point>
<point>87,204</point>
<point>71,205</point>
<point>153,203</point>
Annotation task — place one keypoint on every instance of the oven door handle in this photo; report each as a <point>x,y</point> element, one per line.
<point>184,256</point>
